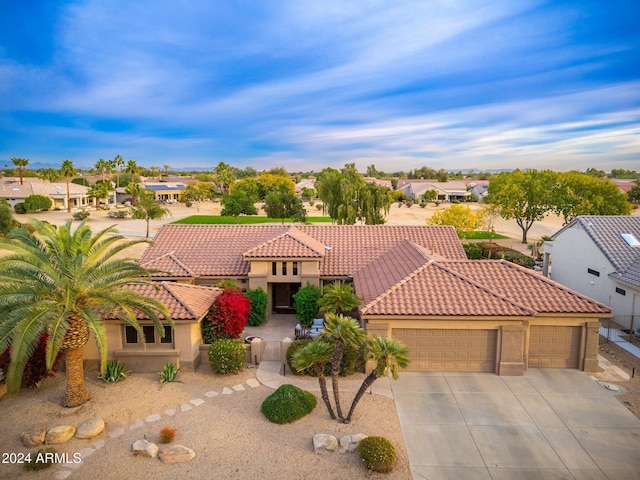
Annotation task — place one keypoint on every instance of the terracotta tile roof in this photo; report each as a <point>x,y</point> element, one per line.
<point>217,250</point>
<point>168,265</point>
<point>404,281</point>
<point>291,244</point>
<point>184,302</point>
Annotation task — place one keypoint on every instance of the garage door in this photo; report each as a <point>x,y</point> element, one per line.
<point>449,350</point>
<point>554,347</point>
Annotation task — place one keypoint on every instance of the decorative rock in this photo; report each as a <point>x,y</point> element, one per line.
<point>349,443</point>
<point>59,434</point>
<point>117,433</point>
<point>324,443</point>
<point>170,412</point>
<point>212,393</point>
<point>176,454</point>
<point>253,383</point>
<point>145,448</point>
<point>87,452</point>
<point>137,424</point>
<point>185,408</point>
<point>90,428</point>
<point>98,444</point>
<point>239,388</point>
<point>153,418</point>
<point>227,391</point>
<point>197,402</point>
<point>35,437</point>
<point>62,474</point>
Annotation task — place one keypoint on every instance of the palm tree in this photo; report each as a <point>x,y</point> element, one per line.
<point>119,164</point>
<point>59,282</point>
<point>20,163</point>
<point>101,167</point>
<point>316,355</point>
<point>388,354</point>
<point>338,298</point>
<point>68,171</point>
<point>147,208</point>
<point>132,169</point>
<point>343,331</point>
<point>133,189</point>
<point>166,169</point>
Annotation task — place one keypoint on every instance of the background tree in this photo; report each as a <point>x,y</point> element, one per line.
<point>37,203</point>
<point>68,170</point>
<point>100,190</point>
<point>282,204</point>
<point>525,195</point>
<point>275,182</point>
<point>388,354</point>
<point>20,163</point>
<point>58,282</point>
<point>134,189</point>
<point>133,169</point>
<point>118,163</point>
<point>224,177</point>
<point>374,202</point>
<point>634,194</point>
<point>241,200</point>
<point>429,195</point>
<point>101,167</point>
<point>165,167</point>
<point>581,194</point>
<point>50,174</point>
<point>460,217</point>
<point>147,209</point>
<point>7,222</point>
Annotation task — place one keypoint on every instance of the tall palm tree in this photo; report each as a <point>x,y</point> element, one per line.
<point>68,171</point>
<point>166,169</point>
<point>343,331</point>
<point>388,354</point>
<point>101,167</point>
<point>338,298</point>
<point>147,209</point>
<point>59,282</point>
<point>316,355</point>
<point>119,164</point>
<point>132,169</point>
<point>20,163</point>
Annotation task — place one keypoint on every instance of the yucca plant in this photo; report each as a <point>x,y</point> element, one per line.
<point>115,372</point>
<point>168,374</point>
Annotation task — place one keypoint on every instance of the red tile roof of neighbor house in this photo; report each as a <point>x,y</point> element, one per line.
<point>222,250</point>
<point>404,281</point>
<point>184,302</point>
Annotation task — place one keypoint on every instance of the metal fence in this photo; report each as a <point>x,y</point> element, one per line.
<point>621,328</point>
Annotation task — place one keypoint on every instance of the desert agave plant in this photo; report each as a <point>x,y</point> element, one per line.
<point>115,372</point>
<point>168,374</point>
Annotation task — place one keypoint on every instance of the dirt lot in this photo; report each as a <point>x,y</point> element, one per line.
<point>627,362</point>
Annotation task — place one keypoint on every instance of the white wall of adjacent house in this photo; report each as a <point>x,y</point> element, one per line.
<point>579,264</point>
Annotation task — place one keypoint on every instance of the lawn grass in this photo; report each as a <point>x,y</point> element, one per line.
<point>483,235</point>
<point>242,220</point>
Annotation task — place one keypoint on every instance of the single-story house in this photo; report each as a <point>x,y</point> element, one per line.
<point>416,284</point>
<point>187,304</point>
<point>599,256</point>
<point>13,192</point>
<point>164,191</point>
<point>445,191</point>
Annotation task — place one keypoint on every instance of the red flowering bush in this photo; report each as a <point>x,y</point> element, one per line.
<point>227,317</point>
<point>36,368</point>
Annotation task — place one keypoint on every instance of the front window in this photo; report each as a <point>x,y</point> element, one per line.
<point>132,339</point>
<point>284,268</point>
<point>294,268</point>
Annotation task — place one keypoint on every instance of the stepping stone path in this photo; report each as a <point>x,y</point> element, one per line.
<point>172,454</point>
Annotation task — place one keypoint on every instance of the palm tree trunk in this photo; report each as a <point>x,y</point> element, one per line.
<point>325,394</point>
<point>372,377</point>
<point>147,228</point>
<point>76,393</point>
<point>335,371</point>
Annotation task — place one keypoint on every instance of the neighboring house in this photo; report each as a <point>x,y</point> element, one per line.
<point>625,185</point>
<point>13,192</point>
<point>305,183</point>
<point>599,256</point>
<point>379,182</point>
<point>416,283</point>
<point>445,191</point>
<point>479,189</point>
<point>187,304</point>
<point>165,192</point>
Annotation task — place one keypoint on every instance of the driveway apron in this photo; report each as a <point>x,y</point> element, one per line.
<point>547,424</point>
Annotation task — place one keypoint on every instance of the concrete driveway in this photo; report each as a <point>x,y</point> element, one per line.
<point>548,424</point>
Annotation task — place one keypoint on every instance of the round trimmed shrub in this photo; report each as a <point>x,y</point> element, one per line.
<point>227,355</point>
<point>20,208</point>
<point>377,453</point>
<point>288,403</point>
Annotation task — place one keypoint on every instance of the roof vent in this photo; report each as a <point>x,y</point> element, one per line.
<point>327,247</point>
<point>631,239</point>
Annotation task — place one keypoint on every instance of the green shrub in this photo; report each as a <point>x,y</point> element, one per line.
<point>288,403</point>
<point>40,460</point>
<point>519,259</point>
<point>81,215</point>
<point>227,355</point>
<point>20,208</point>
<point>258,299</point>
<point>473,251</point>
<point>352,359</point>
<point>377,453</point>
<point>36,203</point>
<point>305,302</point>
<point>115,372</point>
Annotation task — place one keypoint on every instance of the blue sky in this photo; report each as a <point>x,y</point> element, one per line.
<point>307,84</point>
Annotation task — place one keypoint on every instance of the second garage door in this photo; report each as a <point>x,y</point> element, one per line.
<point>449,350</point>
<point>554,346</point>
